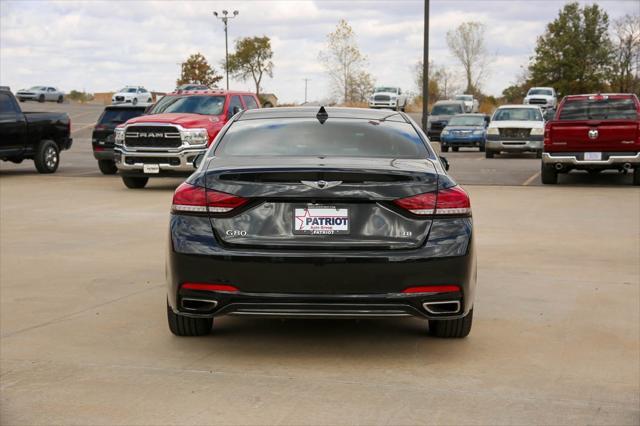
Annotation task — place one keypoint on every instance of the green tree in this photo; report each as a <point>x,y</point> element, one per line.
<point>342,59</point>
<point>252,60</point>
<point>467,44</point>
<point>197,70</point>
<point>574,55</point>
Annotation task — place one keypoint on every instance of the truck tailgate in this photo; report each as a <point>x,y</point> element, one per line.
<point>593,135</point>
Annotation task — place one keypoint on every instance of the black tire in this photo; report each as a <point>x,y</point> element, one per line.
<point>133,182</point>
<point>150,100</point>
<point>539,154</point>
<point>60,99</point>
<point>488,154</point>
<point>41,98</point>
<point>47,158</point>
<point>107,167</point>
<point>456,328</point>
<point>135,101</point>
<point>444,148</point>
<point>186,326</point>
<point>481,147</point>
<point>548,175</point>
<point>636,176</point>
<point>21,99</point>
<point>455,148</point>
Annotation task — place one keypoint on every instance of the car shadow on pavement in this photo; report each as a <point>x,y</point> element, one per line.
<point>606,178</point>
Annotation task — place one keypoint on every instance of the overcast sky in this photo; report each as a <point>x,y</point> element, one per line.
<point>101,46</point>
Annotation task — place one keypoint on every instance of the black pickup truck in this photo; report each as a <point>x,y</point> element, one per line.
<point>39,136</point>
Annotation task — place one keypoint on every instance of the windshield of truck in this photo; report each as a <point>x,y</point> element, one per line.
<point>466,120</point>
<point>545,92</point>
<point>386,89</point>
<point>205,105</point>
<point>599,109</point>
<point>517,114</point>
<point>446,109</point>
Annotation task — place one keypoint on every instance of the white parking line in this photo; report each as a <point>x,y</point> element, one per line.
<point>531,179</point>
<point>82,128</point>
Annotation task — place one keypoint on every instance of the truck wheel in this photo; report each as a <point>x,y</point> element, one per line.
<point>456,328</point>
<point>135,101</point>
<point>60,99</point>
<point>187,326</point>
<point>444,148</point>
<point>455,148</point>
<point>47,157</point>
<point>488,154</point>
<point>539,154</point>
<point>135,182</point>
<point>107,167</point>
<point>481,147</point>
<point>548,175</point>
<point>41,98</point>
<point>636,176</point>
<point>21,99</point>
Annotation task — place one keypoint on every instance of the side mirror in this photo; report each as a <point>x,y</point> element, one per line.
<point>198,160</point>
<point>236,109</point>
<point>445,163</point>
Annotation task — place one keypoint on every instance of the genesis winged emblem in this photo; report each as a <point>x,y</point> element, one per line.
<point>321,184</point>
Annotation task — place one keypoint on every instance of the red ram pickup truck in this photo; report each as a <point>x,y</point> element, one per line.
<point>593,132</point>
<point>179,127</point>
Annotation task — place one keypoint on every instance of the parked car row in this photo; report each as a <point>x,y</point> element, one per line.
<point>40,94</point>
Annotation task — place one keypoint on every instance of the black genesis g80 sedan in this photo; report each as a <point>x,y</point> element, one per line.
<point>324,213</point>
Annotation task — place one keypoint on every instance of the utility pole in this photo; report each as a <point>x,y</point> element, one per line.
<point>225,19</point>
<point>306,80</point>
<point>425,69</point>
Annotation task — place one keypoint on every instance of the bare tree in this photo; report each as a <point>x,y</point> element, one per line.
<point>442,82</point>
<point>468,46</point>
<point>342,59</point>
<point>361,86</point>
<point>626,66</point>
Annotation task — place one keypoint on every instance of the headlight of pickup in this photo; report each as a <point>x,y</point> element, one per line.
<point>195,136</point>
<point>537,131</point>
<point>493,131</point>
<point>118,137</point>
<point>445,132</point>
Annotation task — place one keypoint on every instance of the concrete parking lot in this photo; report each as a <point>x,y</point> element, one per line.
<point>84,339</point>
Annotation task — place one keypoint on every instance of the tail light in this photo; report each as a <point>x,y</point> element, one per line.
<point>195,199</point>
<point>209,287</point>
<point>100,127</point>
<point>450,201</point>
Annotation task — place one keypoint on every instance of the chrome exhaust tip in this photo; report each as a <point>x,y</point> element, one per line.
<point>627,166</point>
<point>559,166</point>
<point>442,307</point>
<point>198,305</point>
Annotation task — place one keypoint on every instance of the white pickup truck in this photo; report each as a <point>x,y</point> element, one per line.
<point>388,97</point>
<point>544,97</point>
<point>471,104</point>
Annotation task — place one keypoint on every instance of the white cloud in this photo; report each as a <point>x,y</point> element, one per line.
<point>100,45</point>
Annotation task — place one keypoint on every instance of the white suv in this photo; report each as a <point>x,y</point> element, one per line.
<point>132,95</point>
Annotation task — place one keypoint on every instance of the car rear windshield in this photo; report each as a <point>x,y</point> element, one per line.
<point>599,109</point>
<point>450,109</point>
<point>466,120</point>
<point>517,114</point>
<point>337,137</point>
<point>205,105</point>
<point>119,115</point>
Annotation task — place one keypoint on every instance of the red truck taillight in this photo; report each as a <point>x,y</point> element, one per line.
<point>450,201</point>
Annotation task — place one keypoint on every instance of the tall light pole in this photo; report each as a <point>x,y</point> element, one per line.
<point>225,19</point>
<point>306,80</point>
<point>425,69</point>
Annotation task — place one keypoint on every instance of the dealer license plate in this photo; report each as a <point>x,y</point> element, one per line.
<point>321,220</point>
<point>592,156</point>
<point>151,168</point>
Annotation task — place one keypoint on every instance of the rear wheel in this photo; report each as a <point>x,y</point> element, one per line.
<point>186,326</point>
<point>636,176</point>
<point>488,154</point>
<point>47,158</point>
<point>456,328</point>
<point>107,167</point>
<point>455,148</point>
<point>135,182</point>
<point>549,175</point>
<point>444,148</point>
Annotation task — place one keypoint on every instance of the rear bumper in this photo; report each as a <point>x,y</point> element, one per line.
<point>576,159</point>
<point>103,154</point>
<point>313,283</point>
